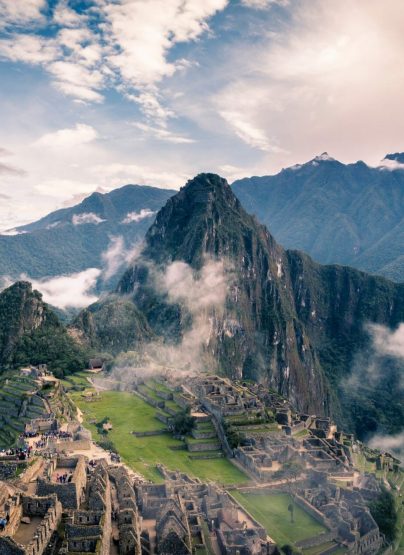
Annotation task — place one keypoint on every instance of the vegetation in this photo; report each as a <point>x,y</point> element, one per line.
<point>328,210</point>
<point>183,423</point>
<point>271,510</point>
<point>30,333</point>
<point>127,413</point>
<point>384,512</point>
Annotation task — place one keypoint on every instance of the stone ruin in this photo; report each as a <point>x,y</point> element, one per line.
<point>344,512</point>
<point>31,521</point>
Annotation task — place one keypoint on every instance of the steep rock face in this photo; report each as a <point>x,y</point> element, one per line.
<point>21,311</point>
<point>30,333</point>
<point>287,321</point>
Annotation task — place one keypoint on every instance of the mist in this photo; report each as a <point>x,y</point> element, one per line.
<point>371,389</point>
<point>201,296</point>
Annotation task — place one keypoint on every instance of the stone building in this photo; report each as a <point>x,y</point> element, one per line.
<point>70,493</point>
<point>31,522</point>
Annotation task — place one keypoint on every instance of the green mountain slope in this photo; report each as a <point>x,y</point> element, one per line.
<point>287,320</point>
<point>347,214</point>
<point>73,239</point>
<point>30,333</point>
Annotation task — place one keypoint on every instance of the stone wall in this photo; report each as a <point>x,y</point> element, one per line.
<point>201,446</point>
<point>69,493</point>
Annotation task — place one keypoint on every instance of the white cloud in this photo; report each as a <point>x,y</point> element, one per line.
<point>65,188</point>
<point>118,255</point>
<point>390,444</point>
<point>86,218</point>
<point>30,49</point>
<point>313,82</point>
<point>390,165</point>
<point>249,132</point>
<point>262,4</point>
<point>115,174</point>
<point>74,290</point>
<point>12,232</point>
<point>162,134</point>
<point>388,342</point>
<point>63,15</point>
<point>138,216</point>
<point>67,138</point>
<point>129,50</point>
<point>20,12</point>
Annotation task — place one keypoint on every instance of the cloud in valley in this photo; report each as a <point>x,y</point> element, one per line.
<point>138,216</point>
<point>70,291</point>
<point>86,218</point>
<point>117,256</point>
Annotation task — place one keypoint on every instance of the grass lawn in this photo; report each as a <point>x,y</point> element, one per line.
<point>271,510</point>
<point>128,412</point>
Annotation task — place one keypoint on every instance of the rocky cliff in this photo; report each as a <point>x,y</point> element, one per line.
<point>286,320</point>
<point>30,333</point>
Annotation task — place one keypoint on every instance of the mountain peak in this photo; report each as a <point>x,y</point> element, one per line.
<point>324,157</point>
<point>397,157</point>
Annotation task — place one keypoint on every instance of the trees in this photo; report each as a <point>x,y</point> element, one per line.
<point>183,423</point>
<point>384,512</point>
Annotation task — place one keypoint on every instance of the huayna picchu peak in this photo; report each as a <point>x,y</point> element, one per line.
<point>286,321</point>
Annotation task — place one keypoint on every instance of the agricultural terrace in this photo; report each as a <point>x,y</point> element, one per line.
<point>127,413</point>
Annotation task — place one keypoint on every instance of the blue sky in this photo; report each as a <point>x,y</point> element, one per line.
<point>95,94</point>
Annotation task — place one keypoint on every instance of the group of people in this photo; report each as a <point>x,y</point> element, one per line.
<point>64,478</point>
<point>20,453</point>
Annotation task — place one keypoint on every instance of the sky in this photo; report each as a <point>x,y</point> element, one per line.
<point>95,94</point>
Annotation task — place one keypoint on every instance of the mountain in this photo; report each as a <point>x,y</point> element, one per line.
<point>286,320</point>
<point>338,213</point>
<point>30,333</point>
<point>72,239</point>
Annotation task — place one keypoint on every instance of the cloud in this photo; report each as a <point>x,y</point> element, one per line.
<point>118,255</point>
<point>162,134</point>
<point>68,138</point>
<point>70,291</point>
<point>10,170</point>
<point>12,232</point>
<point>290,86</point>
<point>388,342</point>
<point>116,174</point>
<point>123,45</point>
<point>200,294</point>
<point>263,4</point>
<point>196,292</point>
<point>62,188</point>
<point>30,49</point>
<point>138,216</point>
<point>19,13</point>
<point>390,165</point>
<point>391,444</point>
<point>86,218</point>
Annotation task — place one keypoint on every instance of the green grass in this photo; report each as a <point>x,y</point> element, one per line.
<point>128,412</point>
<point>271,511</point>
<point>318,549</point>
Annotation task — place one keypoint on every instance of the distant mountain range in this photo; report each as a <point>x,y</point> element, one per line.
<point>348,214</point>
<point>73,239</point>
